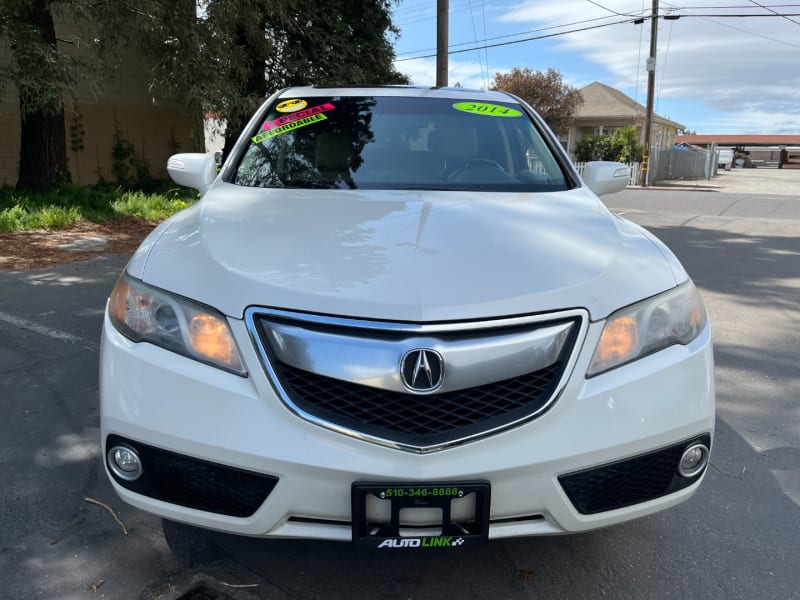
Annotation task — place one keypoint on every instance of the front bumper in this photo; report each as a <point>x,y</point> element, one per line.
<point>169,402</point>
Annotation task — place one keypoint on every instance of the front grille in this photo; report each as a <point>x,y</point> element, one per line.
<point>195,483</point>
<point>630,481</point>
<point>357,377</point>
<point>420,420</point>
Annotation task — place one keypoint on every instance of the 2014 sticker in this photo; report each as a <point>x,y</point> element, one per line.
<point>288,106</point>
<point>492,110</point>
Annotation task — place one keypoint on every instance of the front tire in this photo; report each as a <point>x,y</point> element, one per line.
<point>190,545</point>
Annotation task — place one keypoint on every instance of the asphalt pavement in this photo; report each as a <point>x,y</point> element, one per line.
<point>737,538</point>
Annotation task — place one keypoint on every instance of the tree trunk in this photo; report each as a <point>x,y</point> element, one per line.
<point>43,152</point>
<point>254,86</point>
<point>233,129</point>
<point>43,147</point>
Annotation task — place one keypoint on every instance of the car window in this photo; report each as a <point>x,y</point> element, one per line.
<point>398,143</point>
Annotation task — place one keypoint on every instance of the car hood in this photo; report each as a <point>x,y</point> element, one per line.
<point>418,256</point>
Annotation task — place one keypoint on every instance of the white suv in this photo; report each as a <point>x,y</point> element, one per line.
<point>398,317</point>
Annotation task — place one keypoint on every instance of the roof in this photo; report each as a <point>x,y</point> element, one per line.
<point>604,102</point>
<point>741,140</point>
<point>397,90</point>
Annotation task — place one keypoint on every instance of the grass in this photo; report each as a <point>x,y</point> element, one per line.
<point>60,209</point>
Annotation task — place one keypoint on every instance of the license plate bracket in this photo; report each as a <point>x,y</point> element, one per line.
<point>454,533</point>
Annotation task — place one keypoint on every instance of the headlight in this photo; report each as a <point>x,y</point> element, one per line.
<point>147,314</point>
<point>675,317</point>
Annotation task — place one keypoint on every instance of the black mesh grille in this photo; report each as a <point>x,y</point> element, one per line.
<point>629,482</point>
<point>194,483</point>
<point>419,420</point>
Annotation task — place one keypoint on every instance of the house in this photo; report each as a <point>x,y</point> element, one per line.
<point>155,126</point>
<point>605,110</point>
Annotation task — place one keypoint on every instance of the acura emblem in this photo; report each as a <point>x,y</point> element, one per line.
<point>422,370</point>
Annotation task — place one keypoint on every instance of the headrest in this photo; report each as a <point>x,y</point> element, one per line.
<point>454,142</point>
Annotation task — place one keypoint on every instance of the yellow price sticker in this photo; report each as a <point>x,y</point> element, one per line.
<point>292,105</point>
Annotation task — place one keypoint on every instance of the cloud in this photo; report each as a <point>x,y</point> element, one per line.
<point>470,74</point>
<point>744,70</point>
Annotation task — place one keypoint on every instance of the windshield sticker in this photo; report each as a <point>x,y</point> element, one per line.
<point>492,110</point>
<point>292,105</point>
<point>297,116</point>
<point>292,125</point>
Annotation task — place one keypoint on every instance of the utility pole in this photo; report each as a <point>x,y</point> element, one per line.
<point>651,88</point>
<point>442,42</point>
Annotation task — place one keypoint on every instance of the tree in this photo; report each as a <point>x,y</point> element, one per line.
<point>41,74</point>
<point>627,140</point>
<point>224,60</point>
<point>241,50</point>
<point>44,69</point>
<point>554,100</point>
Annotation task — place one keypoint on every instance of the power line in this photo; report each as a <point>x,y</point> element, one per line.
<point>501,37</point>
<point>734,6</point>
<point>485,51</point>
<point>765,37</point>
<point>619,14</point>
<point>540,37</point>
<point>738,16</point>
<point>773,12</point>
<point>639,56</point>
<point>664,67</point>
<point>484,75</point>
<point>551,35</point>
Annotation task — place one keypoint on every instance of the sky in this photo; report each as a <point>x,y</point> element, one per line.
<point>714,73</point>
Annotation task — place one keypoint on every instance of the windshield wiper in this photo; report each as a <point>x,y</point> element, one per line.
<point>305,185</point>
<point>425,188</point>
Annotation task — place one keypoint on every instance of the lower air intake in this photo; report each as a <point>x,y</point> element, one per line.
<point>194,483</point>
<point>630,481</point>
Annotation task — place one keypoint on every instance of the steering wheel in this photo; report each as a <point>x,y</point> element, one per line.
<point>488,167</point>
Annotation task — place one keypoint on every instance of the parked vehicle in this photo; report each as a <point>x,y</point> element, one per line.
<point>398,317</point>
<point>725,158</point>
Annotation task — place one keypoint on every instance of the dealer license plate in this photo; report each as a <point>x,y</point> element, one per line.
<point>383,514</point>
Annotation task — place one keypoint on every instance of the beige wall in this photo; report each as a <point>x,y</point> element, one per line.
<point>155,131</point>
<point>156,127</point>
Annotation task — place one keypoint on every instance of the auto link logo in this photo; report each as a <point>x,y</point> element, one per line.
<point>428,542</point>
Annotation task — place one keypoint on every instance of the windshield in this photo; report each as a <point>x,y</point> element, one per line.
<point>399,143</point>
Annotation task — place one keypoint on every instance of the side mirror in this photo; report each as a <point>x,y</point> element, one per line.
<point>193,170</point>
<point>606,177</point>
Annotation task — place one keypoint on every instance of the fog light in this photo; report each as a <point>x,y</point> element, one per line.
<point>125,463</point>
<point>694,460</point>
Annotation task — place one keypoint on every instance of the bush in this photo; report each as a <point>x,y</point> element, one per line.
<point>150,207</point>
<point>21,211</point>
<point>622,145</point>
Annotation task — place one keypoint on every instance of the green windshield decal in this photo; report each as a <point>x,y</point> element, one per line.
<point>271,133</point>
<point>481,108</point>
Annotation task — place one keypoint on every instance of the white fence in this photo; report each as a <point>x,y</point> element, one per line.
<point>671,164</point>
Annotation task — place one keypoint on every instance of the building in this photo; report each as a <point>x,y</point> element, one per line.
<point>155,127</point>
<point>605,110</point>
<point>759,150</point>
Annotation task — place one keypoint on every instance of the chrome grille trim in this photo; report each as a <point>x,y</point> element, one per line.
<point>559,329</point>
<point>374,362</point>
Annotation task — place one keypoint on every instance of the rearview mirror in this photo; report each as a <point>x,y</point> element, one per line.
<point>193,170</point>
<point>606,177</point>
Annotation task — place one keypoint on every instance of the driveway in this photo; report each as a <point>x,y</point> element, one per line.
<point>779,182</point>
